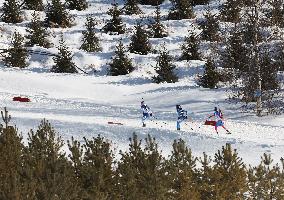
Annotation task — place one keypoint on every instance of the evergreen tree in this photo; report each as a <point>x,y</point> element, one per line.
<point>77,4</point>
<point>90,40</point>
<point>140,171</point>
<point>37,33</point>
<point>210,27</point>
<point>190,48</point>
<point>131,7</point>
<point>210,77</point>
<point>276,15</point>
<point>11,12</point>
<point>182,9</point>
<point>36,5</point>
<point>157,28</point>
<point>17,54</point>
<point>114,25</point>
<point>12,185</point>
<point>181,170</point>
<point>165,69</point>
<point>151,2</point>
<point>139,41</point>
<point>121,64</point>
<point>63,61</point>
<point>231,172</point>
<point>230,11</point>
<point>49,172</point>
<point>92,164</point>
<point>57,16</point>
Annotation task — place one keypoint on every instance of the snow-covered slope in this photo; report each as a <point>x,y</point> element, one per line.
<point>82,105</point>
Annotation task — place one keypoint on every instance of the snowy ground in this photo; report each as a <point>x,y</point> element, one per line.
<point>81,105</point>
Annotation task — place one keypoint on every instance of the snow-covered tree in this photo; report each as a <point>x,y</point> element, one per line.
<point>151,2</point>
<point>157,29</point>
<point>11,12</point>
<point>121,64</point>
<point>77,4</point>
<point>63,61</point>
<point>210,27</point>
<point>165,68</point>
<point>36,5</point>
<point>90,41</point>
<point>37,33</point>
<point>210,77</point>
<point>115,24</point>
<point>131,7</point>
<point>230,11</point>
<point>17,54</point>
<point>181,9</point>
<point>139,41</point>
<point>190,48</point>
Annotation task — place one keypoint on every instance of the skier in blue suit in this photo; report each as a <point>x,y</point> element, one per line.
<point>146,111</point>
<point>182,115</point>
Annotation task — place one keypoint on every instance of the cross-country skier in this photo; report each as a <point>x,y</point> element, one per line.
<point>218,118</point>
<point>182,115</point>
<point>146,111</point>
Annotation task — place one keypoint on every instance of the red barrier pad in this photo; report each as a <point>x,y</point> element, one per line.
<point>210,123</point>
<point>21,99</point>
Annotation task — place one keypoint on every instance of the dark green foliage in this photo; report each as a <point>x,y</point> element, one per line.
<point>210,77</point>
<point>11,12</point>
<point>37,33</point>
<point>121,64</point>
<point>210,27</point>
<point>12,185</point>
<point>231,172</point>
<point>181,169</point>
<point>139,41</point>
<point>131,7</point>
<point>230,11</point>
<point>36,5</point>
<point>92,164</point>
<point>63,61</point>
<point>200,2</point>
<point>181,9</point>
<point>77,4</point>
<point>57,16</point>
<point>17,54</point>
<point>140,171</point>
<point>190,48</point>
<point>90,41</point>
<point>157,28</point>
<point>276,15</point>
<point>151,2</point>
<point>46,167</point>
<point>266,181</point>
<point>114,25</point>
<point>165,69</point>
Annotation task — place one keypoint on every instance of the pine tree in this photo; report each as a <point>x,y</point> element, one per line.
<point>131,7</point>
<point>200,2</point>
<point>230,11</point>
<point>37,33</point>
<point>90,40</point>
<point>93,162</point>
<point>17,54</point>
<point>157,28</point>
<point>190,48</point>
<point>210,27</point>
<point>139,41</point>
<point>36,5</point>
<point>181,170</point>
<point>210,77</point>
<point>63,61</point>
<point>276,15</point>
<point>182,9</point>
<point>151,2</point>
<point>165,69</point>
<point>11,12</point>
<point>114,25</point>
<point>49,172</point>
<point>231,172</point>
<point>12,185</point>
<point>121,64</point>
<point>57,16</point>
<point>77,4</point>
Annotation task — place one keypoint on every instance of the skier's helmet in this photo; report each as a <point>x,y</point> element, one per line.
<point>178,107</point>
